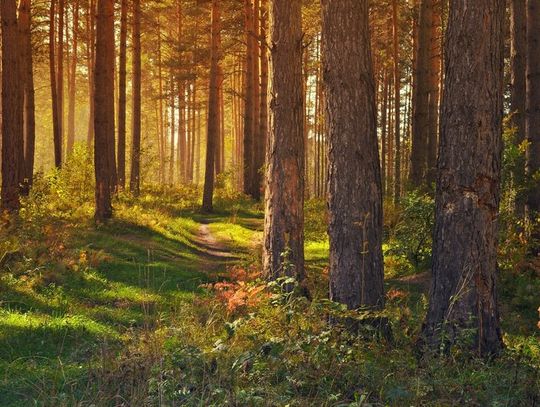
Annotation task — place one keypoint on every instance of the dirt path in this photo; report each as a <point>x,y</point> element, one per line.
<point>215,255</point>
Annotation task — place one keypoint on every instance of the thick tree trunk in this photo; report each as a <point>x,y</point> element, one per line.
<point>355,193</point>
<point>213,109</point>
<point>420,121</point>
<point>27,67</point>
<point>284,215</point>
<point>463,293</point>
<point>12,107</point>
<point>135,178</point>
<point>104,103</point>
<point>122,96</point>
<point>73,80</point>
<point>533,108</point>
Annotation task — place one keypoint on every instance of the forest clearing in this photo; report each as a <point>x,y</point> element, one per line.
<point>270,203</point>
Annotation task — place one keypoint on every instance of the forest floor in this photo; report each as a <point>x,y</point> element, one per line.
<point>162,306</point>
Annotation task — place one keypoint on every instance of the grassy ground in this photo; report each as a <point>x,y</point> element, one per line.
<point>128,313</point>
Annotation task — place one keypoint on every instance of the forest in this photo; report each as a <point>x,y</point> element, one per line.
<point>270,203</point>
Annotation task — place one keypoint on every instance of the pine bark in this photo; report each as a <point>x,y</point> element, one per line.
<point>463,292</point>
<point>355,191</point>
<point>57,135</point>
<point>249,136</point>
<point>104,105</point>
<point>213,109</point>
<point>135,176</point>
<point>518,71</point>
<point>533,108</point>
<point>397,103</point>
<point>284,215</point>
<point>90,22</point>
<point>12,107</point>
<point>60,70</point>
<point>73,80</point>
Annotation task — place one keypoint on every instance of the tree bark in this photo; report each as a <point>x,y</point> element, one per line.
<point>213,109</point>
<point>91,61</point>
<point>12,108</point>
<point>135,176</point>
<point>57,136</point>
<point>27,67</point>
<point>420,121</point>
<point>122,95</point>
<point>284,215</point>
<point>397,103</point>
<point>104,103</point>
<point>263,110</point>
<point>463,292</point>
<point>355,192</point>
<point>60,70</point>
<point>248,101</point>
<point>533,110</point>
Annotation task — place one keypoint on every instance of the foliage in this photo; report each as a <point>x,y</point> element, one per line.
<point>410,237</point>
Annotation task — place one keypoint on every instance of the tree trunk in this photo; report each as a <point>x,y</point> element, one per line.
<point>25,26</point>
<point>258,146</point>
<point>249,101</point>
<point>213,108</point>
<point>263,110</point>
<point>397,104</point>
<point>518,38</point>
<point>73,80</point>
<point>60,69</point>
<point>104,103</point>
<point>57,137</point>
<point>284,215</point>
<point>122,95</point>
<point>173,132</point>
<point>90,60</point>
<point>12,107</point>
<point>463,293</point>
<point>355,193</point>
<point>135,178</point>
<point>533,109</point>
<point>420,122</point>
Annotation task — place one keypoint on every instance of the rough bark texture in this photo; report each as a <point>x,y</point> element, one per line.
<point>354,184</point>
<point>533,106</point>
<point>263,111</point>
<point>73,80</point>
<point>60,70</point>
<point>90,61</point>
<point>135,179</point>
<point>284,219</point>
<point>213,109</point>
<point>463,292</point>
<point>25,25</point>
<point>122,96</point>
<point>12,107</point>
<point>518,41</point>
<point>104,105</point>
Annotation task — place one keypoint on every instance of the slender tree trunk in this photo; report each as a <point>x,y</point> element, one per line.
<point>420,122</point>
<point>12,108</point>
<point>60,69</point>
<point>173,132</point>
<point>263,110</point>
<point>213,108</point>
<point>122,95</point>
<point>355,198</point>
<point>27,71</point>
<point>384,133</point>
<point>161,128</point>
<point>57,137</point>
<point>249,100</point>
<point>104,114</point>
<point>91,62</point>
<point>284,215</point>
<point>135,177</point>
<point>73,80</point>
<point>258,143</point>
<point>397,104</point>
<point>463,292</point>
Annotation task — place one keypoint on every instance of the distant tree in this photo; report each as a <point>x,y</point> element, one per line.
<point>104,108</point>
<point>249,101</point>
<point>73,79</point>
<point>27,66</point>
<point>122,95</point>
<point>463,302</point>
<point>135,176</point>
<point>354,184</point>
<point>284,204</point>
<point>12,107</point>
<point>57,128</point>
<point>213,108</point>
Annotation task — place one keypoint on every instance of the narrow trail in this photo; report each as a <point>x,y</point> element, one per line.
<point>215,256</point>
